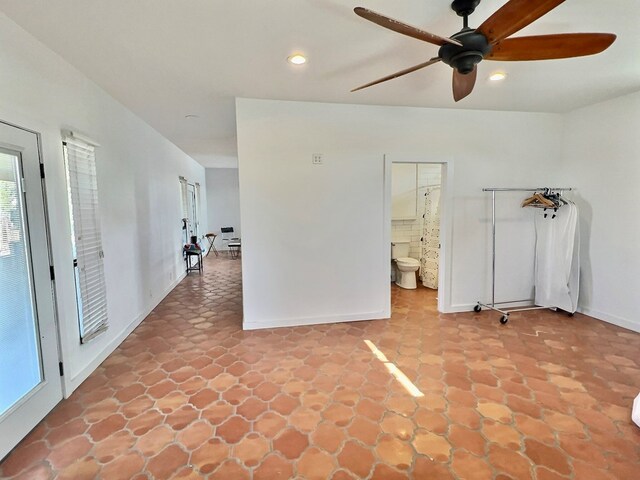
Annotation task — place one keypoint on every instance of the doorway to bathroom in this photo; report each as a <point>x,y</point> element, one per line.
<point>418,217</point>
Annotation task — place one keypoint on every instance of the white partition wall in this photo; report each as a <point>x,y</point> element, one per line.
<point>312,234</point>
<point>313,241</point>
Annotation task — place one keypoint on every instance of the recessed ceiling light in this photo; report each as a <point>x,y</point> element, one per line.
<point>497,76</point>
<point>297,59</point>
<point>192,116</point>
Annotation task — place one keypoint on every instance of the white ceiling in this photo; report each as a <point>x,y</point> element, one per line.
<point>165,59</point>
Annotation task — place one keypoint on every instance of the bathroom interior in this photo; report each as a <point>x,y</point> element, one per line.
<point>415,227</point>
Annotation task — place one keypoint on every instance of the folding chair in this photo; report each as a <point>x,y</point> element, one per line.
<point>228,236</point>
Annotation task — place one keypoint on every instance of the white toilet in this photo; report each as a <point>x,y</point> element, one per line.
<point>406,266</point>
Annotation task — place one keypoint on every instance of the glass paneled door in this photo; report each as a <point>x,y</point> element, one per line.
<point>30,384</point>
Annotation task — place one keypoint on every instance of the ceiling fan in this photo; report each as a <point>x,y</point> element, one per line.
<point>468,47</point>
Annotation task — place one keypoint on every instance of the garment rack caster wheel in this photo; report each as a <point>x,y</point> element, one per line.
<point>477,308</point>
<point>504,319</point>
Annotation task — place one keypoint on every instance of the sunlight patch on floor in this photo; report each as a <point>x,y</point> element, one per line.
<point>395,371</point>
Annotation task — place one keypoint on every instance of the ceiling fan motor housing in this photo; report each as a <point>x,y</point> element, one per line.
<point>474,48</point>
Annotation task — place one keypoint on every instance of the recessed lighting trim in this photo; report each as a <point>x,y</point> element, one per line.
<point>497,76</point>
<point>297,59</point>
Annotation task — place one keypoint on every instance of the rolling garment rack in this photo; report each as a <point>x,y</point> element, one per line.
<point>505,311</point>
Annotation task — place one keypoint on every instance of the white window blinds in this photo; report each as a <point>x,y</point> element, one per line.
<point>183,197</point>
<point>82,186</point>
<point>197,209</point>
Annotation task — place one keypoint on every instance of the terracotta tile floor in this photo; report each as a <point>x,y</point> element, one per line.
<point>190,395</point>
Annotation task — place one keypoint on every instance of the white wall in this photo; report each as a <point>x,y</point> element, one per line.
<point>138,173</point>
<point>223,201</point>
<point>602,159</point>
<point>313,235</point>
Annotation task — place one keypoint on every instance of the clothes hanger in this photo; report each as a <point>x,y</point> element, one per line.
<point>558,199</point>
<point>542,200</point>
<point>561,199</point>
<point>528,201</point>
<point>551,197</point>
<point>545,200</point>
<point>536,199</point>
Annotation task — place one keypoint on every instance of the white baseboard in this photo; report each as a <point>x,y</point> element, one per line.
<point>298,322</point>
<point>459,308</point>
<point>613,319</point>
<point>74,382</point>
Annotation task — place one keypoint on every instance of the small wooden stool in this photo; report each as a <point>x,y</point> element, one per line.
<point>211,237</point>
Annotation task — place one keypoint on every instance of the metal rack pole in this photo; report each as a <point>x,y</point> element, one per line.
<point>505,312</point>
<point>541,189</point>
<point>493,268</point>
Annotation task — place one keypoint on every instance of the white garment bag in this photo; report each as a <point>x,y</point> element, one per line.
<point>557,262</point>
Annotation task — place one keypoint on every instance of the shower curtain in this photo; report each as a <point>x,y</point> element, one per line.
<point>430,243</point>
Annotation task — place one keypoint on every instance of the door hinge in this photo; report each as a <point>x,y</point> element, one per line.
<point>61,368</point>
<point>42,170</point>
<point>52,272</point>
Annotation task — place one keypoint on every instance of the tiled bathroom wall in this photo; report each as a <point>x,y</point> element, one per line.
<point>429,174</point>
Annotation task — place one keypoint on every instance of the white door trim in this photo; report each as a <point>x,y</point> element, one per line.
<point>446,220</point>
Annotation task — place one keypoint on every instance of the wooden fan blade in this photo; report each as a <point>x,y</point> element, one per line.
<point>547,47</point>
<point>463,84</point>
<point>403,28</point>
<point>513,16</point>
<point>399,74</point>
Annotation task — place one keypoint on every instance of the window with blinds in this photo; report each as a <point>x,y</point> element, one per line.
<point>183,197</point>
<point>190,199</point>
<point>185,209</point>
<point>197,209</point>
<point>82,185</point>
